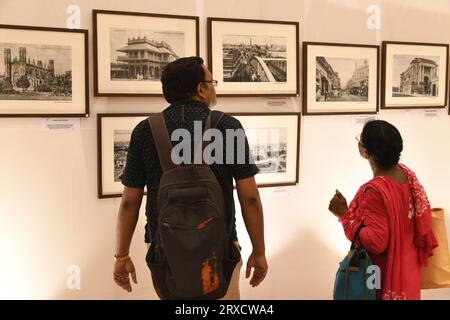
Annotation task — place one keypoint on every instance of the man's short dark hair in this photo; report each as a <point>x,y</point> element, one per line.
<point>180,78</point>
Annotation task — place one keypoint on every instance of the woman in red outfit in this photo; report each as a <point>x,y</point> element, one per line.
<point>395,211</point>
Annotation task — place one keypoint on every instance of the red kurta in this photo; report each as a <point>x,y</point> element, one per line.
<point>397,232</point>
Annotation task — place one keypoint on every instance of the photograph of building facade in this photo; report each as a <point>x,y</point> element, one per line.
<point>254,59</point>
<point>359,83</point>
<point>142,59</point>
<point>421,78</point>
<point>341,79</point>
<point>26,79</point>
<point>328,83</point>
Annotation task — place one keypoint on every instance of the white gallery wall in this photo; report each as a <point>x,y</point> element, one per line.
<point>53,228</point>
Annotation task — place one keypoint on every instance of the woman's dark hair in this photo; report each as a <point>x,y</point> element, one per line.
<point>180,78</point>
<point>383,142</point>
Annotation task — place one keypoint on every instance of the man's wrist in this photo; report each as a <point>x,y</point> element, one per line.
<point>124,257</point>
<point>259,251</point>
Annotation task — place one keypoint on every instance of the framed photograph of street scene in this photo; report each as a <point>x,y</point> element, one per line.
<point>254,57</point>
<point>340,78</point>
<point>274,144</point>
<point>43,72</point>
<point>414,75</point>
<point>131,49</point>
<point>113,138</point>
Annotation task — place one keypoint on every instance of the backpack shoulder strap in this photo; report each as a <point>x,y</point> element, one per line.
<point>212,121</point>
<point>162,140</point>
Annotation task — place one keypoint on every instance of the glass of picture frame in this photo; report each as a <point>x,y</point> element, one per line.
<point>414,75</point>
<point>44,72</point>
<point>274,143</point>
<point>131,49</point>
<point>340,78</point>
<point>113,138</point>
<point>254,57</point>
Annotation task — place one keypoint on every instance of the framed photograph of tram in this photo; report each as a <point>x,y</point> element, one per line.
<point>340,78</point>
<point>131,49</point>
<point>254,57</point>
<point>43,72</point>
<point>273,139</point>
<point>113,138</point>
<point>414,75</point>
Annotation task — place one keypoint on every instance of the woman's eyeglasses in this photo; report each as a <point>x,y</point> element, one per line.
<point>358,138</point>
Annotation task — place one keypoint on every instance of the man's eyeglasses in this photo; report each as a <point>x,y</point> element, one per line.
<point>213,82</point>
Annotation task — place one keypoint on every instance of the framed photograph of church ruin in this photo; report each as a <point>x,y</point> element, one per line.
<point>254,57</point>
<point>131,49</point>
<point>273,139</point>
<point>43,72</point>
<point>113,138</point>
<point>340,78</point>
<point>414,75</point>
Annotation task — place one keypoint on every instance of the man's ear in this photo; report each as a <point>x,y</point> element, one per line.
<point>200,89</point>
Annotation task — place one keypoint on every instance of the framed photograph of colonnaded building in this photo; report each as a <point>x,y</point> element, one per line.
<point>131,49</point>
<point>254,57</point>
<point>43,72</point>
<point>340,78</point>
<point>414,75</point>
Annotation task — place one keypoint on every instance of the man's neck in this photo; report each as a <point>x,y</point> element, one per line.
<point>198,99</point>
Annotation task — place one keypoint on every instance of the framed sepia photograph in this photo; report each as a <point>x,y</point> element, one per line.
<point>340,78</point>
<point>254,57</point>
<point>113,138</point>
<point>274,143</point>
<point>131,49</point>
<point>414,75</point>
<point>43,72</point>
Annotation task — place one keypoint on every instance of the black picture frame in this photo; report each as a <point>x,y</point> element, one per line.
<point>46,72</point>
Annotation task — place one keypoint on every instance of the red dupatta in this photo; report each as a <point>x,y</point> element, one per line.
<point>424,239</point>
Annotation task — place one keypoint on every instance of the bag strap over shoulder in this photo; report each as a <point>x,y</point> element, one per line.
<point>162,141</point>
<point>356,236</point>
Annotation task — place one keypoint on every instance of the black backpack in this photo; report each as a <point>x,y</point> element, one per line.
<point>192,255</point>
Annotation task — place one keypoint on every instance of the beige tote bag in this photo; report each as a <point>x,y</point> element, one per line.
<point>437,273</point>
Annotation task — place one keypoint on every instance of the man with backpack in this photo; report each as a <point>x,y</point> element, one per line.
<point>190,209</point>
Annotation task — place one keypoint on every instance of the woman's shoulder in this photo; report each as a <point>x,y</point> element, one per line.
<point>376,186</point>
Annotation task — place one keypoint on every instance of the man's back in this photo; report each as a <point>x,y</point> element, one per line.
<point>143,158</point>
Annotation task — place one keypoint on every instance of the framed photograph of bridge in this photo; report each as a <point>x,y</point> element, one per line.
<point>414,75</point>
<point>273,139</point>
<point>254,57</point>
<point>340,78</point>
<point>113,138</point>
<point>131,49</point>
<point>43,72</point>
